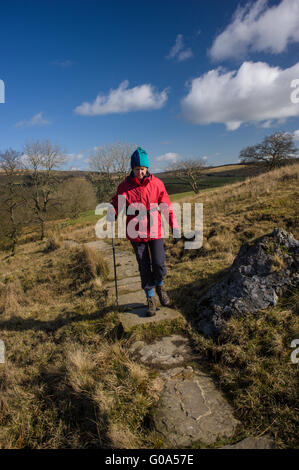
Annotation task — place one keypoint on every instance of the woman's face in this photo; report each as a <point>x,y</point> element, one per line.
<point>140,171</point>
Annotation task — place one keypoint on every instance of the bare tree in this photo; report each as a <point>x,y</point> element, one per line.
<point>274,151</point>
<point>189,172</point>
<point>77,195</point>
<point>111,164</point>
<point>42,158</point>
<point>11,197</point>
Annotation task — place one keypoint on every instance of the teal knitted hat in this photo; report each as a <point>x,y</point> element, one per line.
<point>139,158</point>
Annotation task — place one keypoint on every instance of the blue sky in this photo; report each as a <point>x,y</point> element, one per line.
<point>182,79</point>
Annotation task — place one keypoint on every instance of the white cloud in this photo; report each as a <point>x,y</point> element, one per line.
<point>296,135</point>
<point>75,156</point>
<point>255,93</point>
<point>178,52</point>
<point>267,124</point>
<point>63,63</point>
<point>156,170</point>
<point>184,55</point>
<point>178,45</point>
<point>257,27</point>
<point>36,120</point>
<point>124,100</point>
<point>168,157</point>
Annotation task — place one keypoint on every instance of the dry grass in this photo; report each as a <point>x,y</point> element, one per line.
<point>80,234</point>
<point>12,298</point>
<point>224,168</point>
<point>122,437</point>
<point>54,241</point>
<point>69,381</point>
<point>277,263</point>
<point>84,265</point>
<point>243,211</point>
<point>64,384</point>
<point>251,362</point>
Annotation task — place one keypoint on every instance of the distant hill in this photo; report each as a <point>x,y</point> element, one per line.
<point>213,177</point>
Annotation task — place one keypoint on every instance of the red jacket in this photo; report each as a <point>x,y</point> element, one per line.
<point>150,192</point>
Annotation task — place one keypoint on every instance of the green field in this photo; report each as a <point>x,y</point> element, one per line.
<point>174,186</point>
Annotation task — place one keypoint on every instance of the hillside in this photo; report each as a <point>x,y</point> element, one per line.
<point>68,380</point>
<point>212,177</point>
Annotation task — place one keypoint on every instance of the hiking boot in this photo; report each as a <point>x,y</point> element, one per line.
<point>163,297</point>
<point>151,306</point>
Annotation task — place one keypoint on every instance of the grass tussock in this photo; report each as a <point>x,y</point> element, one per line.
<point>12,298</point>
<point>54,241</point>
<point>85,264</point>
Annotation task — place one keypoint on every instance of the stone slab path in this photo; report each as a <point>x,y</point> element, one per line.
<point>190,410</point>
<point>265,442</point>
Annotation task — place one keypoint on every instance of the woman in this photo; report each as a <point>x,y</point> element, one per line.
<point>143,193</point>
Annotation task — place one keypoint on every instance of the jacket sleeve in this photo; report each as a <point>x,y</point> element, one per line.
<point>168,211</point>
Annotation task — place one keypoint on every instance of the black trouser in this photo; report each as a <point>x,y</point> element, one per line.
<point>152,271</point>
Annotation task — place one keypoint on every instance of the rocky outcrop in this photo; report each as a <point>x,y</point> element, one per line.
<point>259,275</point>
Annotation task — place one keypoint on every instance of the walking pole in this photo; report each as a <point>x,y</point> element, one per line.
<point>115,278</point>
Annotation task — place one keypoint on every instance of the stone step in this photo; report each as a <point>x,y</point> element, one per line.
<point>123,272</point>
<point>134,308</point>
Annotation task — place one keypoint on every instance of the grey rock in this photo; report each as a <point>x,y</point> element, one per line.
<point>251,284</point>
<point>253,443</point>
<point>171,373</point>
<point>170,351</point>
<point>192,410</point>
